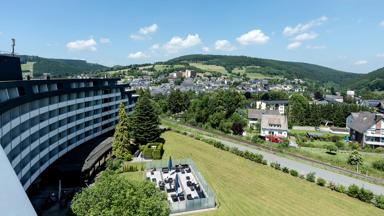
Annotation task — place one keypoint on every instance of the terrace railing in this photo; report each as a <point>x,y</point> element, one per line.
<point>188,205</point>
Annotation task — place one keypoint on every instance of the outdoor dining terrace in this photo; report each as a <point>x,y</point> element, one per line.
<point>185,187</point>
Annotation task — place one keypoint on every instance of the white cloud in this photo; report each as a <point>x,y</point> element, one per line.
<point>255,36</point>
<point>300,28</point>
<point>105,40</point>
<point>206,49</point>
<point>360,62</point>
<point>316,47</point>
<point>81,45</point>
<point>145,32</point>
<point>224,45</point>
<point>177,43</point>
<point>137,55</point>
<point>380,55</point>
<point>155,47</point>
<point>294,45</point>
<point>305,36</point>
<point>148,29</point>
<point>381,23</point>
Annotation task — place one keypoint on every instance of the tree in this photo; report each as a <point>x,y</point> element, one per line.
<point>237,128</point>
<point>177,101</point>
<point>297,109</point>
<point>355,158</point>
<point>112,194</point>
<point>145,121</point>
<point>121,147</point>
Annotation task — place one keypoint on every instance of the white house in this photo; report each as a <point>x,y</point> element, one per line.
<point>254,116</point>
<point>279,105</point>
<point>366,128</point>
<point>274,125</point>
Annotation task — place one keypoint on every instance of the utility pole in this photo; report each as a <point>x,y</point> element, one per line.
<point>13,46</point>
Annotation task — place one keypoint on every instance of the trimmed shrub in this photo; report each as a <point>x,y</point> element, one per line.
<point>293,172</point>
<point>379,201</point>
<point>114,164</point>
<point>379,150</point>
<point>379,164</point>
<point>340,189</point>
<point>365,195</point>
<point>275,165</point>
<point>285,169</point>
<point>321,182</point>
<point>147,153</point>
<point>311,177</point>
<point>353,191</point>
<point>340,144</point>
<point>331,149</point>
<point>264,162</point>
<point>302,176</point>
<point>158,152</point>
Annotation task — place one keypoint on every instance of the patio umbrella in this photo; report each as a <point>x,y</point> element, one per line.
<point>177,183</point>
<point>170,163</point>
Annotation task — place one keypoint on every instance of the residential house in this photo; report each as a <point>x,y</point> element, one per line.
<point>367,128</point>
<point>274,125</point>
<point>254,116</point>
<point>334,98</point>
<point>279,105</point>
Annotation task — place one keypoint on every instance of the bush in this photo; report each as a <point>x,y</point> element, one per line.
<point>379,150</point>
<point>321,182</point>
<point>379,201</point>
<point>256,139</point>
<point>379,164</point>
<point>264,162</point>
<point>293,172</point>
<point>353,191</point>
<point>285,169</point>
<point>339,144</point>
<point>331,149</point>
<point>340,189</point>
<point>311,177</point>
<point>302,176</point>
<point>353,145</point>
<point>147,153</point>
<point>275,165</point>
<point>365,195</point>
<point>158,152</point>
<point>114,164</point>
<point>130,168</point>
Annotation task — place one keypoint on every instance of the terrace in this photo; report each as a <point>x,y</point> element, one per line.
<point>185,187</point>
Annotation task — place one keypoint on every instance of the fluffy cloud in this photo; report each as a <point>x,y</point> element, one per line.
<point>81,45</point>
<point>155,47</point>
<point>206,49</point>
<point>224,45</point>
<point>145,32</point>
<point>305,36</point>
<point>381,23</point>
<point>316,47</point>
<point>137,55</point>
<point>255,36</point>
<point>105,40</point>
<point>177,43</point>
<point>148,29</point>
<point>360,62</point>
<point>380,55</point>
<point>300,28</point>
<point>294,45</point>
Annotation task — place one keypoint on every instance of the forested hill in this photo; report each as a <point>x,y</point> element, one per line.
<point>272,67</point>
<point>60,67</point>
<point>373,81</point>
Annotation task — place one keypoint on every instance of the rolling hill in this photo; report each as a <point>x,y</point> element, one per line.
<point>373,81</point>
<point>59,67</point>
<point>271,67</point>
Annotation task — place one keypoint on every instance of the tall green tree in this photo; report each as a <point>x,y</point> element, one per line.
<point>145,121</point>
<point>112,194</point>
<point>121,146</point>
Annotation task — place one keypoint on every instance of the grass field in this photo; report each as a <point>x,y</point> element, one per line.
<point>27,66</point>
<point>243,187</point>
<point>210,68</point>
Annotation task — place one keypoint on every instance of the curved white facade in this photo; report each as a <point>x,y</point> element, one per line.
<point>36,133</point>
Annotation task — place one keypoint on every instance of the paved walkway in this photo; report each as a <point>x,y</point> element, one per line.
<point>301,167</point>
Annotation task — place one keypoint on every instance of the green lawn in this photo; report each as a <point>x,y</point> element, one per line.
<point>243,187</point>
<point>210,68</point>
<point>27,66</point>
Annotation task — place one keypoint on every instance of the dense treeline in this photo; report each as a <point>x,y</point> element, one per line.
<point>305,114</point>
<point>373,81</point>
<point>64,67</point>
<point>287,69</point>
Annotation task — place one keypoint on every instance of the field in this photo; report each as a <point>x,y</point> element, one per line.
<point>210,68</point>
<point>27,66</point>
<point>243,187</point>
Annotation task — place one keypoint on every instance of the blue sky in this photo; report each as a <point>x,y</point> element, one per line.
<point>342,34</point>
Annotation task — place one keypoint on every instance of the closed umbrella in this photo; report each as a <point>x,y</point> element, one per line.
<point>170,163</point>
